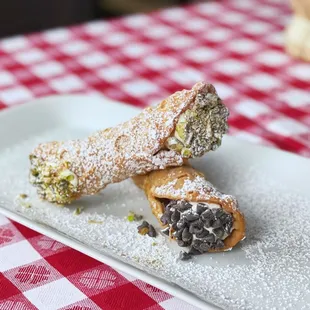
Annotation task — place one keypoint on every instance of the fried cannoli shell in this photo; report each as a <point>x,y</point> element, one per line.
<point>186,183</point>
<point>112,155</point>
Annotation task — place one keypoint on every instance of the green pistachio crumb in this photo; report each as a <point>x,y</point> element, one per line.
<point>78,210</point>
<point>154,243</point>
<point>134,217</point>
<point>70,177</point>
<point>131,217</point>
<point>186,152</point>
<point>23,196</point>
<point>34,172</point>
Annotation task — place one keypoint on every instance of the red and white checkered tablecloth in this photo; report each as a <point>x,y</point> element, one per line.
<point>235,44</point>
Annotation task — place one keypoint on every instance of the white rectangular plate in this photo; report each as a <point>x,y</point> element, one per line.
<point>270,269</point>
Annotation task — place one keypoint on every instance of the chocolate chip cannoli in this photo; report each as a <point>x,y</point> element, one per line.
<point>192,211</point>
<point>187,124</point>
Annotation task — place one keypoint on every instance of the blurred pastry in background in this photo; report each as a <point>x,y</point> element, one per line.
<point>297,37</point>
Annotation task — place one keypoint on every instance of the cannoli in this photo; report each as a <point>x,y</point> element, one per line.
<point>192,211</point>
<point>185,125</point>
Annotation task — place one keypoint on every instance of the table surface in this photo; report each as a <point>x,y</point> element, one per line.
<point>235,45</point>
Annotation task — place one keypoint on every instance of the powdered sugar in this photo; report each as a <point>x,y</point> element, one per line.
<point>270,270</point>
<point>199,184</point>
<point>133,147</point>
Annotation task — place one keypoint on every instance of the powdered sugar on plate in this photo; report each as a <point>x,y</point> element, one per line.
<point>269,270</point>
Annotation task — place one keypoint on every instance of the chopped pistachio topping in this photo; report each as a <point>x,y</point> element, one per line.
<point>78,210</point>
<point>21,199</point>
<point>200,129</point>
<point>55,184</point>
<point>131,217</point>
<point>134,217</point>
<point>174,144</point>
<point>186,152</point>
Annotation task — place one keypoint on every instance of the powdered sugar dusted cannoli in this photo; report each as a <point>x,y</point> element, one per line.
<point>186,124</point>
<point>192,211</point>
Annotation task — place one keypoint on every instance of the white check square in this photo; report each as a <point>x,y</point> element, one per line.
<point>243,46</point>
<point>48,69</point>
<point>9,257</point>
<point>262,81</point>
<point>241,4</point>
<point>97,28</point>
<point>67,83</point>
<point>231,67</point>
<point>159,62</point>
<point>250,108</point>
<point>136,50</point>
<point>30,56</point>
<point>272,58</point>
<point>3,220</point>
<point>117,38</point>
<point>210,8</point>
<point>159,31</point>
<point>115,73</point>
<point>224,91</point>
<point>137,21</point>
<point>57,35</point>
<point>256,27</point>
<point>63,293</point>
<point>74,48</point>
<point>187,76</point>
<point>140,87</point>
<point>180,41</point>
<point>15,95</point>
<point>6,78</point>
<point>234,18</point>
<point>295,97</point>
<point>276,38</point>
<point>266,11</point>
<point>14,44</point>
<point>218,34</point>
<point>174,14</point>
<point>201,54</point>
<point>300,71</point>
<point>93,59</point>
<point>197,24</point>
<point>287,127</point>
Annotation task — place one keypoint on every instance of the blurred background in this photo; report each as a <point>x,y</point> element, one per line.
<point>19,16</point>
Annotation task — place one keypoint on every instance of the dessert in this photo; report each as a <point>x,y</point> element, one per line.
<point>192,211</point>
<point>297,38</point>
<point>187,124</point>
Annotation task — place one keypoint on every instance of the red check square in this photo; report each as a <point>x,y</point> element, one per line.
<point>124,297</point>
<point>7,289</point>
<point>70,262</point>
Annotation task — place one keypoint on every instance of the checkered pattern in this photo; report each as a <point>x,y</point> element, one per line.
<point>37,272</point>
<point>236,45</point>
